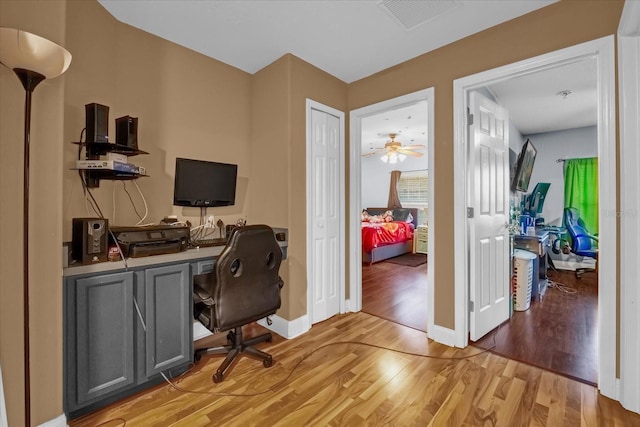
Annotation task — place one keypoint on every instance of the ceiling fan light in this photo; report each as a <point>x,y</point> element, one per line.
<point>402,157</point>
<point>385,158</point>
<point>393,158</point>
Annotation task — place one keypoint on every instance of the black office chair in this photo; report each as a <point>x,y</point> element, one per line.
<point>583,243</point>
<point>243,287</point>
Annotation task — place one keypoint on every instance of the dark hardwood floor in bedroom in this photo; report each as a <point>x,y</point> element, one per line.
<point>559,333</point>
<point>396,292</point>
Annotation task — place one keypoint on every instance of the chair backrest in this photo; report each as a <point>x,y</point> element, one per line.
<point>579,234</point>
<point>247,282</point>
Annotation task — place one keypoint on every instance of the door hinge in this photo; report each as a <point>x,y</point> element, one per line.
<point>471,307</point>
<point>469,119</point>
<point>469,212</point>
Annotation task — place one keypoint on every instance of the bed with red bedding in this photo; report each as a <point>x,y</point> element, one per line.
<point>386,239</point>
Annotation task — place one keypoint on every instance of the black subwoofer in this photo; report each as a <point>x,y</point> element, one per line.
<point>97,123</point>
<point>89,240</point>
<point>127,132</point>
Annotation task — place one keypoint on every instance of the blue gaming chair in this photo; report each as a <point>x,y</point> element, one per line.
<point>583,243</point>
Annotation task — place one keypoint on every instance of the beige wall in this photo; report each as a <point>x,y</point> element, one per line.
<point>187,105</point>
<point>551,28</point>
<point>280,91</point>
<point>193,106</point>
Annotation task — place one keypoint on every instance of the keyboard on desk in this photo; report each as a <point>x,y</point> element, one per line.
<point>203,243</point>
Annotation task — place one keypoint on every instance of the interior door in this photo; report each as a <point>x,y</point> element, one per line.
<point>488,203</point>
<point>325,215</point>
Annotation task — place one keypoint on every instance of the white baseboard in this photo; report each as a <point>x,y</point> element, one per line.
<point>59,421</point>
<point>3,407</point>
<point>199,331</point>
<point>442,335</point>
<point>287,328</point>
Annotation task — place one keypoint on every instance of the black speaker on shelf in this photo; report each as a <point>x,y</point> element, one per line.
<point>127,132</point>
<point>89,240</point>
<point>97,123</point>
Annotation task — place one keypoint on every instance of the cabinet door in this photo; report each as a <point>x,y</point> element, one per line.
<point>104,334</point>
<point>168,317</point>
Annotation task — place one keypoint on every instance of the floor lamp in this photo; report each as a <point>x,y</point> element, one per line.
<point>33,59</point>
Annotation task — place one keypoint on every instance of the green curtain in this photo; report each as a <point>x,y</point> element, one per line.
<point>581,189</point>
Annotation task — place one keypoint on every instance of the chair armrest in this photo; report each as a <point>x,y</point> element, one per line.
<point>203,288</point>
<point>201,296</point>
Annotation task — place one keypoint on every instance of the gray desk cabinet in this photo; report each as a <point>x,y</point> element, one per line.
<point>168,303</point>
<point>104,335</point>
<point>122,329</point>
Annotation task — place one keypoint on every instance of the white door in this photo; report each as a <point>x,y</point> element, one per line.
<point>326,254</point>
<point>488,203</point>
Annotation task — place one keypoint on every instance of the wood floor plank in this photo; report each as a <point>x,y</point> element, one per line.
<point>352,384</point>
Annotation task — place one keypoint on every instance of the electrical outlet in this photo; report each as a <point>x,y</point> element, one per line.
<point>209,223</point>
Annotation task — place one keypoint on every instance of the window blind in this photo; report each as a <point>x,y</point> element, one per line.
<point>413,189</point>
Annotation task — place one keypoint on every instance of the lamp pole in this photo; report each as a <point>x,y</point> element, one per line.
<point>29,79</point>
<point>24,53</point>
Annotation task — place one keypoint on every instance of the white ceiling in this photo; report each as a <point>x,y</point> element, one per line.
<point>349,39</point>
<point>352,39</point>
<point>536,104</point>
<point>408,123</point>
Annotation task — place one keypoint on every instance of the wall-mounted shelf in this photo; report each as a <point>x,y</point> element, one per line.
<point>94,150</point>
<point>102,148</point>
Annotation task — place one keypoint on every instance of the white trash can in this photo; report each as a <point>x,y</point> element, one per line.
<point>522,279</point>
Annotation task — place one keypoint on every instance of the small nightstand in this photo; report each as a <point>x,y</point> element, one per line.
<point>421,239</point>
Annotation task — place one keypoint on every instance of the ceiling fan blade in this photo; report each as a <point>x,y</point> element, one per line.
<point>409,152</point>
<point>372,153</point>
<point>414,147</point>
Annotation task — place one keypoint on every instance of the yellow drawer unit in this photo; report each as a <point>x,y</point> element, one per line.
<point>421,239</point>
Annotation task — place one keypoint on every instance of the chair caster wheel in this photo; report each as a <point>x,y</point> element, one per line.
<point>217,377</point>
<point>267,362</point>
<point>197,356</point>
<point>231,336</point>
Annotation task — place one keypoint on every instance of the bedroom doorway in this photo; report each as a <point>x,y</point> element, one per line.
<point>564,135</point>
<point>602,51</point>
<point>395,285</point>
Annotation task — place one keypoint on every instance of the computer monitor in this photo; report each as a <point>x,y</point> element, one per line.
<point>200,183</point>
<point>524,167</point>
<point>534,202</point>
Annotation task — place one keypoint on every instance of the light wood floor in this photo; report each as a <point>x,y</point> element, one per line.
<point>330,376</point>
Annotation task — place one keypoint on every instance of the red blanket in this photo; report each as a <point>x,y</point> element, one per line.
<point>384,233</point>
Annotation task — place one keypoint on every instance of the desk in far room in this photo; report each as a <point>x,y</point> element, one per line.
<point>538,245</point>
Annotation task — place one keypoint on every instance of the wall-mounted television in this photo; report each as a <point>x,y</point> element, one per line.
<point>200,183</point>
<point>524,167</point>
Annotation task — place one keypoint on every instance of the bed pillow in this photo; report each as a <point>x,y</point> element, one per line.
<point>403,215</point>
<point>367,217</point>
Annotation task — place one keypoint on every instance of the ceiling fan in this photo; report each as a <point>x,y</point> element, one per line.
<point>394,150</point>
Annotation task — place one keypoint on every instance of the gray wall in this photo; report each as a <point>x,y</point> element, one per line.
<point>551,146</point>
<point>376,175</point>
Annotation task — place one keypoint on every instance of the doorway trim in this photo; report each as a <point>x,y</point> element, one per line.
<point>355,193</point>
<point>629,101</point>
<point>603,51</point>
